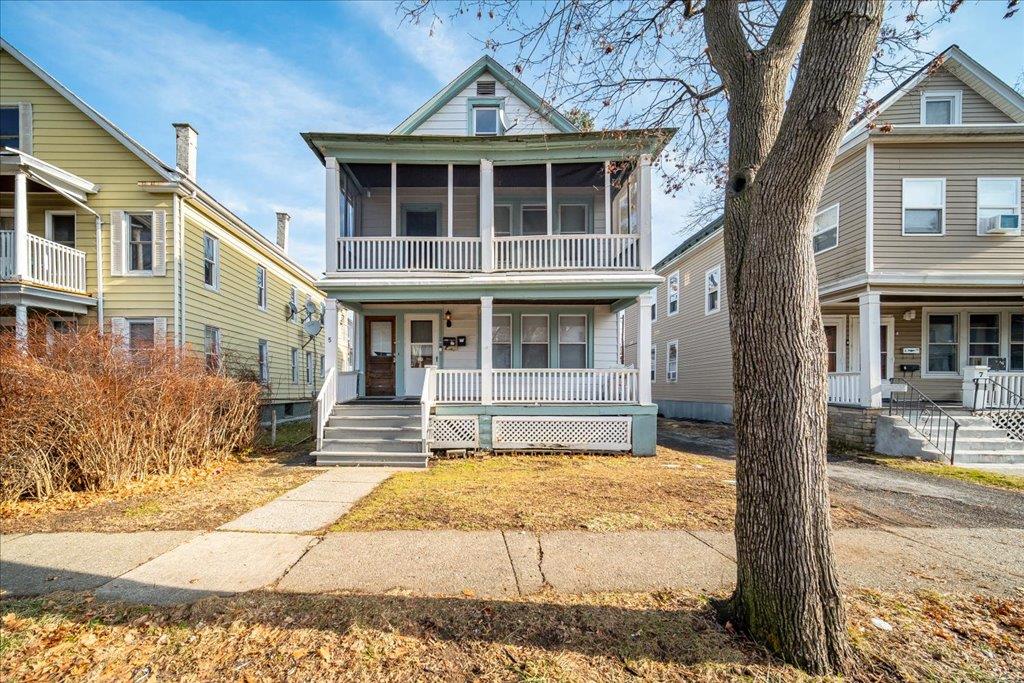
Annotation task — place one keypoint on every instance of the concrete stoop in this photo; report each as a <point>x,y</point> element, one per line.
<point>977,440</point>
<point>373,435</point>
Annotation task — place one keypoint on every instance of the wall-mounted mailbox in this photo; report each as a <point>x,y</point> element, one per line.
<point>461,340</point>
<point>449,342</point>
<point>909,367</point>
<point>911,351</point>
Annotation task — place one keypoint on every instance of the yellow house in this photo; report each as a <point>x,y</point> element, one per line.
<point>96,230</point>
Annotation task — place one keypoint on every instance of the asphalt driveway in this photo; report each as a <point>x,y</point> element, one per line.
<point>882,494</point>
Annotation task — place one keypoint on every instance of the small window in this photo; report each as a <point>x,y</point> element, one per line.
<point>310,370</point>
<point>294,311</point>
<point>263,355</point>
<point>713,290</point>
<point>983,337</point>
<point>261,287</point>
<point>503,220</point>
<point>673,293</point>
<point>940,108</point>
<point>534,219</point>
<point>572,218</point>
<point>485,120</point>
<point>211,261</point>
<point>943,346</point>
<point>60,227</point>
<point>924,206</point>
<point>140,242</point>
<point>10,126</point>
<point>672,362</point>
<point>534,343</point>
<point>211,348</point>
<point>323,366</point>
<point>1017,341</point>
<point>998,205</point>
<point>572,341</point>
<point>826,229</point>
<point>295,365</point>
<point>141,334</point>
<point>485,88</point>
<point>654,363</point>
<point>501,341</point>
<point>654,304</point>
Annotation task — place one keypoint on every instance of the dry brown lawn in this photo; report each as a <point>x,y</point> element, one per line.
<point>675,490</point>
<point>605,637</point>
<point>202,498</point>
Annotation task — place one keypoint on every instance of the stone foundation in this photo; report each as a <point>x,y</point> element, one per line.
<point>852,426</point>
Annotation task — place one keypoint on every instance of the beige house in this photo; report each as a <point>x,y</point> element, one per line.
<point>96,230</point>
<point>919,253</point>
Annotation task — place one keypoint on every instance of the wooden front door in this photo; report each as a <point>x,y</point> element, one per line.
<point>380,355</point>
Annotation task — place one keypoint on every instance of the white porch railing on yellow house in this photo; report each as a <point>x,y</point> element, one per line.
<point>49,263</point>
<point>844,388</point>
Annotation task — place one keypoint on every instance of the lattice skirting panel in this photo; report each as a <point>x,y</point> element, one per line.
<point>455,431</point>
<point>1010,420</point>
<point>562,433</point>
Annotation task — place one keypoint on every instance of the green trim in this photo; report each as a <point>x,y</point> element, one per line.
<point>486,102</point>
<point>420,206</point>
<point>462,81</point>
<point>622,304</point>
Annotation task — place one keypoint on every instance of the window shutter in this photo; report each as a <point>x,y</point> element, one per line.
<point>117,242</point>
<point>159,243</point>
<point>119,329</point>
<point>159,333</point>
<point>25,127</point>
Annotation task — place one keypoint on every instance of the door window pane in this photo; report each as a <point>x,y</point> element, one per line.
<point>501,341</point>
<point>63,229</point>
<point>983,337</point>
<point>535,219</point>
<point>380,337</point>
<point>572,341</point>
<point>832,351</point>
<point>535,341</point>
<point>943,348</point>
<point>421,338</point>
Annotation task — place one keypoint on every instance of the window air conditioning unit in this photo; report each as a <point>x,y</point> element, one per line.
<point>1003,224</point>
<point>997,363</point>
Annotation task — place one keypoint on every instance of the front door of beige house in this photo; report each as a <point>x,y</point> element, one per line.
<point>420,350</point>
<point>835,341</point>
<point>887,336</point>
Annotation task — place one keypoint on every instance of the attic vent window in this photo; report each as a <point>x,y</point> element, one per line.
<point>485,87</point>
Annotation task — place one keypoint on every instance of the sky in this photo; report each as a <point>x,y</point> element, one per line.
<point>251,76</point>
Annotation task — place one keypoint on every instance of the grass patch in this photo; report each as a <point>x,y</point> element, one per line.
<point>149,507</point>
<point>1012,482</point>
<point>551,637</point>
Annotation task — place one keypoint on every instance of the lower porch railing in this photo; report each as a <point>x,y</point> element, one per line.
<point>49,263</point>
<point>844,388</point>
<point>522,385</point>
<point>325,404</point>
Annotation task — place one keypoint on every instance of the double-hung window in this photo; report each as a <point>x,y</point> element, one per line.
<point>572,341</point>
<point>533,218</point>
<point>535,339</point>
<point>295,365</point>
<point>211,348</point>
<point>924,206</point>
<point>572,218</point>
<point>672,361</point>
<point>713,290</point>
<point>943,343</point>
<point>654,363</point>
<point>60,227</point>
<point>982,337</point>
<point>141,335</point>
<point>503,220</point>
<point>211,261</point>
<point>826,229</point>
<point>323,366</point>
<point>1017,342</point>
<point>485,121</point>
<point>940,107</point>
<point>654,304</point>
<point>261,287</point>
<point>310,370</point>
<point>998,206</point>
<point>140,242</point>
<point>673,293</point>
<point>501,341</point>
<point>10,126</point>
<point>293,313</point>
<point>263,355</point>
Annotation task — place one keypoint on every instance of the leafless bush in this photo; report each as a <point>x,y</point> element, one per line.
<point>78,412</point>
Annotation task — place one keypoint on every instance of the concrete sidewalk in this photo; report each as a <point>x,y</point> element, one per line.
<point>486,563</point>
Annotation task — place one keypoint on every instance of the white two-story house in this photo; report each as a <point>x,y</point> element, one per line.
<point>485,246</point>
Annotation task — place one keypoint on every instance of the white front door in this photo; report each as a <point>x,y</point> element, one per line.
<point>420,350</point>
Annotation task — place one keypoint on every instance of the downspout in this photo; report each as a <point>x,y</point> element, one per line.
<point>99,273</point>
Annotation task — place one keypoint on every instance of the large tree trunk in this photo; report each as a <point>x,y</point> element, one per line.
<point>787,592</point>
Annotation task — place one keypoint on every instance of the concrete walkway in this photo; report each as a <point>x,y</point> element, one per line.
<point>485,563</point>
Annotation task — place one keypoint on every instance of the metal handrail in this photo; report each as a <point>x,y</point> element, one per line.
<point>927,417</point>
<point>1018,400</point>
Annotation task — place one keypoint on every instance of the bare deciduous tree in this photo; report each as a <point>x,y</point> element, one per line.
<point>762,93</point>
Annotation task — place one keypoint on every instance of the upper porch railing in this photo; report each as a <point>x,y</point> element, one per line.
<point>466,254</point>
<point>49,263</point>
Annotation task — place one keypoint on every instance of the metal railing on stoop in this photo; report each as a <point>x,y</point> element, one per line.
<point>927,417</point>
<point>995,399</point>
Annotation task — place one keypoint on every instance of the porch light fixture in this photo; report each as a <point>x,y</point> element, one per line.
<point>447,318</point>
<point>909,315</point>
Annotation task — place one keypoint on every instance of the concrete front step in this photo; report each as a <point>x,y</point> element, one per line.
<point>375,432</point>
<point>356,458</point>
<point>894,436</point>
<point>989,445</point>
<point>385,409</point>
<point>375,445</point>
<point>1000,458</point>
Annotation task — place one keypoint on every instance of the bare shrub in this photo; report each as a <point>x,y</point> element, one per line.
<point>80,413</point>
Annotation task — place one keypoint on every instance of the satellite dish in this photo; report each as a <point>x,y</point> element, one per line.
<point>292,309</point>
<point>312,327</point>
<point>310,308</point>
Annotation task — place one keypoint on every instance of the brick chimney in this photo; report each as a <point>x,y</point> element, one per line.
<point>283,220</point>
<point>186,143</point>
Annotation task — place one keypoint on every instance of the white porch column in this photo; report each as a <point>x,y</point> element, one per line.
<point>21,270</point>
<point>870,351</point>
<point>394,199</point>
<point>548,201</point>
<point>974,394</point>
<point>331,334</point>
<point>644,201</point>
<point>487,216</point>
<point>486,360</point>
<point>607,198</point>
<point>643,346</point>
<point>21,326</point>
<point>333,213</point>
<point>451,200</point>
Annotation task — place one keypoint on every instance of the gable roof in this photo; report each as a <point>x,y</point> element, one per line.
<point>169,174</point>
<point>710,229</point>
<point>485,64</point>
